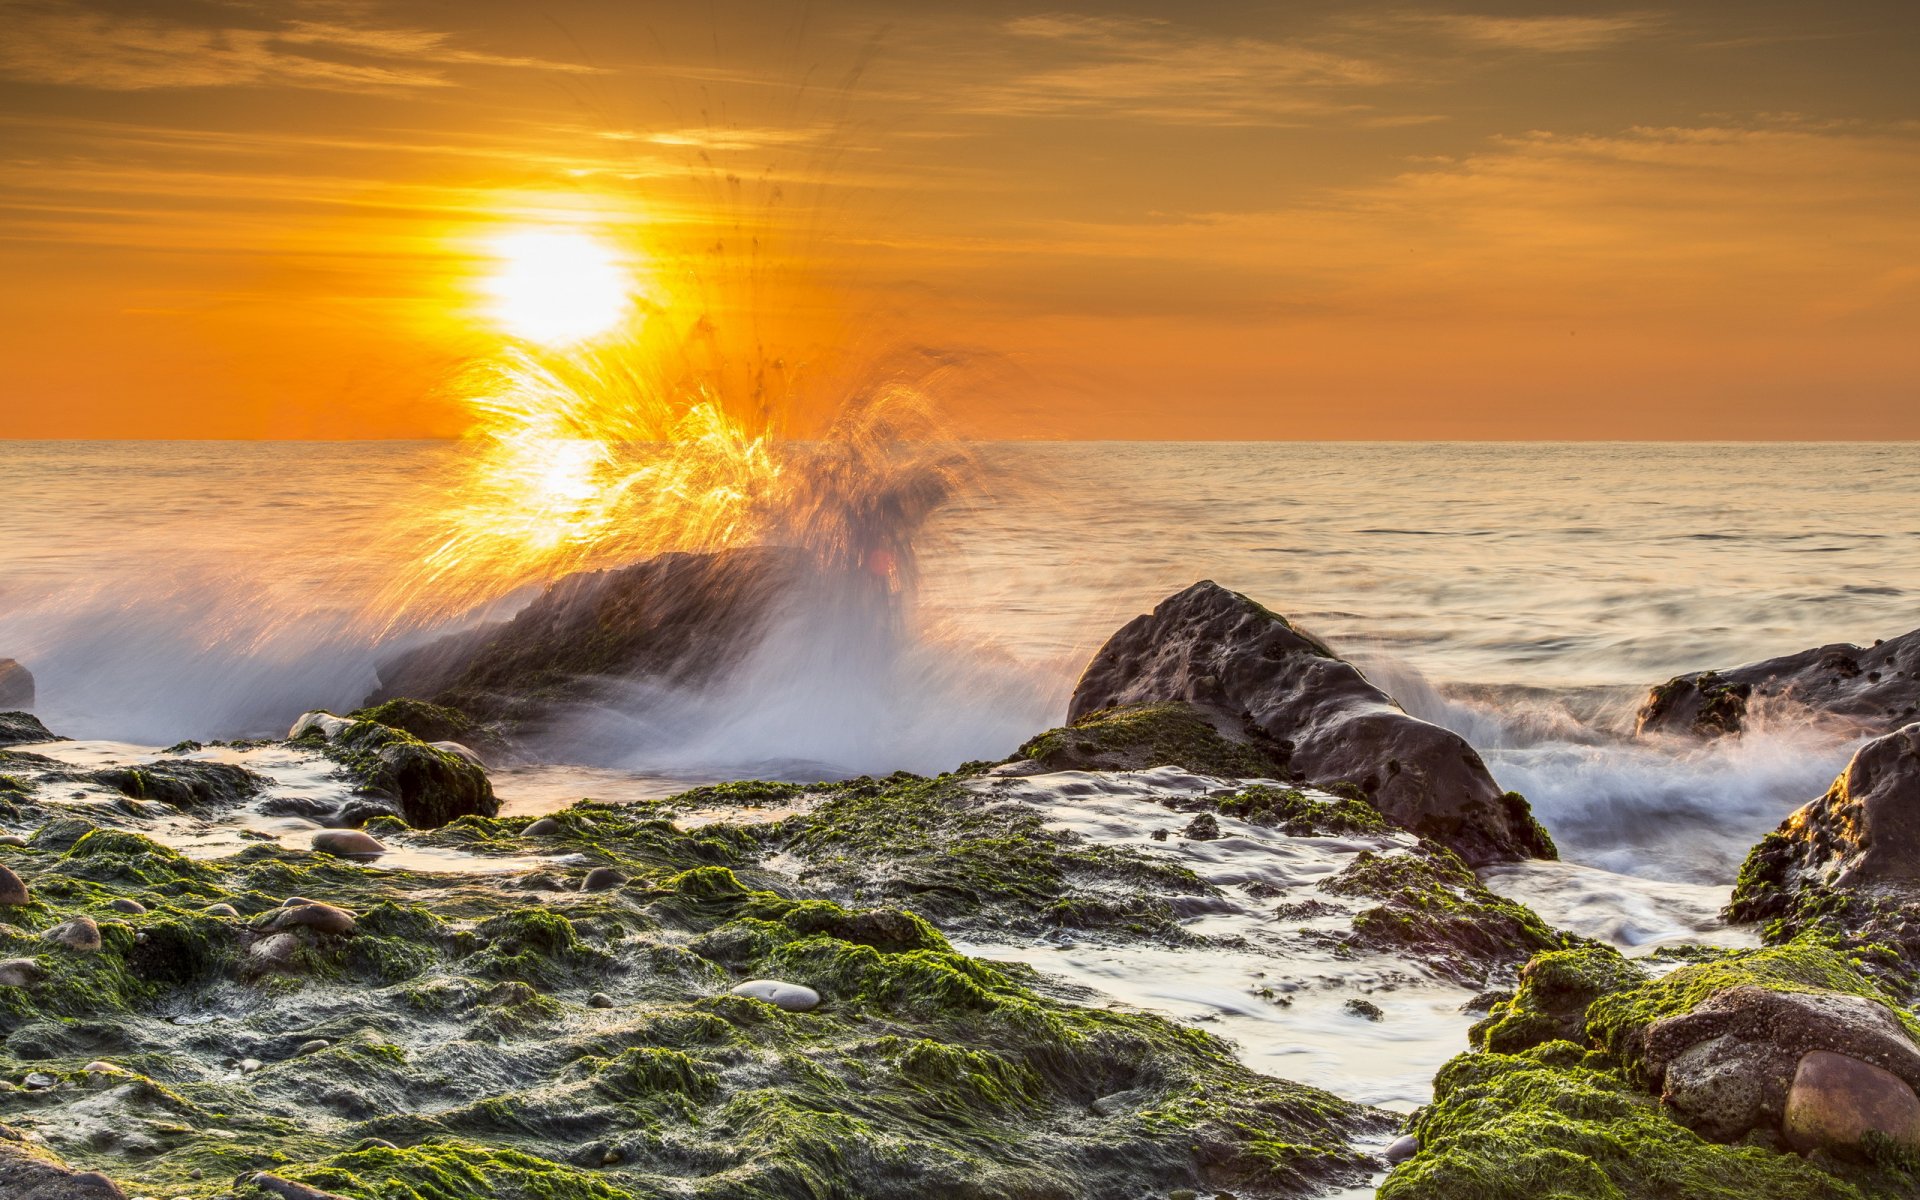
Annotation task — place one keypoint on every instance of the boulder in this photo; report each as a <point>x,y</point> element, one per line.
<point>1836,1100</point>
<point>22,728</point>
<point>793,997</point>
<point>348,843</point>
<point>13,890</point>
<point>1731,1064</point>
<point>1314,712</point>
<point>189,785</point>
<point>678,618</point>
<point>16,685</point>
<point>28,1173</point>
<point>427,786</point>
<point>1866,690</point>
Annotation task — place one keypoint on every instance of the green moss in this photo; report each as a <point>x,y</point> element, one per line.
<point>1297,814</point>
<point>1135,736</point>
<point>427,722</point>
<point>1551,1002</point>
<point>455,1170</point>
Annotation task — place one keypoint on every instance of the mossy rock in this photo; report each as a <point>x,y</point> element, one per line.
<point>1137,736</point>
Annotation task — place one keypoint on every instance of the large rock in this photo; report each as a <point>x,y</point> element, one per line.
<point>677,618</point>
<point>16,685</point>
<point>27,1173</point>
<point>22,728</point>
<point>1865,690</point>
<point>1862,836</point>
<point>1738,1062</point>
<point>1311,710</point>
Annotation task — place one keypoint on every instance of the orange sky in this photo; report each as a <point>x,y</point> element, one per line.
<point>1311,220</point>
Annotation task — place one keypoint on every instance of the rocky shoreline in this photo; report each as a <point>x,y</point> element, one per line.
<point>753,989</point>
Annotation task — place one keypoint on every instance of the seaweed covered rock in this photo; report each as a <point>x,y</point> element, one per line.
<point>1861,689</point>
<point>188,785</point>
<point>23,728</point>
<point>1136,736</point>
<point>1847,863</point>
<point>434,724</point>
<point>677,618</point>
<point>16,685</point>
<point>1600,1079</point>
<point>34,1174</point>
<point>1266,683</point>
<point>428,786</point>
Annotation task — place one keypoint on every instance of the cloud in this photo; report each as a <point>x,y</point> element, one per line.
<point>1549,35</point>
<point>48,42</point>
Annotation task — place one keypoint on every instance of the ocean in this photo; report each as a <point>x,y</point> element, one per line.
<point>1523,594</point>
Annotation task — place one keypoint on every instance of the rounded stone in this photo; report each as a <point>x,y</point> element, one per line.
<point>313,915</point>
<point>101,1066</point>
<point>1837,1100</point>
<point>122,904</point>
<point>313,1047</point>
<point>249,1065</point>
<point>544,827</point>
<point>601,878</point>
<point>1401,1149</point>
<point>599,1000</point>
<point>295,902</point>
<point>221,910</point>
<point>20,972</point>
<point>273,953</point>
<point>793,997</point>
<point>348,843</point>
<point>12,890</point>
<point>12,839</point>
<point>39,1081</point>
<point>80,933</point>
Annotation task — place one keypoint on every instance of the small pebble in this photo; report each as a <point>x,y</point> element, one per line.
<point>374,1144</point>
<point>249,1065</point>
<point>80,933</point>
<point>348,843</point>
<point>313,1047</point>
<point>221,910</point>
<point>1364,1008</point>
<point>599,1000</point>
<point>12,839</point>
<point>601,878</point>
<point>101,1067</point>
<point>544,827</point>
<point>793,997</point>
<point>122,904</point>
<point>1402,1149</point>
<point>39,1081</point>
<point>12,891</point>
<point>19,972</point>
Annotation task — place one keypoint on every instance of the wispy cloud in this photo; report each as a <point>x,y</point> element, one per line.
<point>1549,35</point>
<point>51,42</point>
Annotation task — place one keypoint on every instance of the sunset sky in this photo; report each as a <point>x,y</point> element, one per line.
<point>1211,220</point>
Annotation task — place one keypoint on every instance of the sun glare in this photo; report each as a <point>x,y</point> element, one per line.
<point>557,288</point>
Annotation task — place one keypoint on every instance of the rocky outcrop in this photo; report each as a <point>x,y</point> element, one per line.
<point>1866,690</point>
<point>31,1174</point>
<point>425,786</point>
<point>1311,711</point>
<point>21,728</point>
<point>677,618</point>
<point>16,685</point>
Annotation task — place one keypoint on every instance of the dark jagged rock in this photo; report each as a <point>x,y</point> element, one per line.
<point>23,728</point>
<point>16,685</point>
<point>677,618</point>
<point>1860,689</point>
<point>1313,712</point>
<point>31,1174</point>
<point>189,785</point>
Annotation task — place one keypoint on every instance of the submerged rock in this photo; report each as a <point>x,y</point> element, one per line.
<point>1258,677</point>
<point>1863,689</point>
<point>16,685</point>
<point>23,728</point>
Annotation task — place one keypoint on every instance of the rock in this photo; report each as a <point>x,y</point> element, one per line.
<point>29,1173</point>
<point>314,1046</point>
<point>20,972</point>
<point>125,905</point>
<point>102,1067</point>
<point>249,1065</point>
<point>296,902</point>
<point>322,917</point>
<point>1727,1067</point>
<point>1401,1149</point>
<point>189,785</point>
<point>23,729</point>
<point>1864,834</point>
<point>321,724</point>
<point>16,685</point>
<point>12,839</point>
<point>599,1000</point>
<point>1868,690</point>
<point>1364,1008</point>
<point>287,1189</point>
<point>39,1081</point>
<point>601,878</point>
<point>677,619</point>
<point>427,787</point>
<point>513,991</point>
<point>791,996</point>
<point>1262,680</point>
<point>1838,1101</point>
<point>1115,1103</point>
<point>544,827</point>
<point>1204,827</point>
<point>13,892</point>
<point>221,910</point>
<point>80,933</point>
<point>348,843</point>
<point>273,953</point>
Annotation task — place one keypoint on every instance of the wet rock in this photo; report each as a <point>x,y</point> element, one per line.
<point>22,729</point>
<point>1115,1103</point>
<point>20,972</point>
<point>191,786</point>
<point>1867,690</point>
<point>16,685</point>
<point>102,1067</point>
<point>38,1081</point>
<point>1204,827</point>
<point>126,905</point>
<point>512,992</point>
<point>320,724</point>
<point>599,1000</point>
<point>249,1065</point>
<point>426,786</point>
<point>676,619</point>
<point>544,827</point>
<point>313,1046</point>
<point>458,751</point>
<point>1364,1008</point>
<point>28,1173</point>
<point>1263,680</point>
<point>602,878</point>
<point>80,933</point>
<point>12,839</point>
<point>1837,1101</point>
<point>1401,1149</point>
<point>221,910</point>
<point>348,843</point>
<point>792,997</point>
<point>273,953</point>
<point>13,891</point>
<point>1728,1066</point>
<point>322,917</point>
<point>287,1189</point>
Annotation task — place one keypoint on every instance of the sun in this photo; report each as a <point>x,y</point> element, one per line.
<point>557,287</point>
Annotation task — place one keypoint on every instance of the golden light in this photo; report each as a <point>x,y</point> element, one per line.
<point>556,287</point>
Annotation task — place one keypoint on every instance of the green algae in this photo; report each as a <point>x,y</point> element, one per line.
<point>1136,736</point>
